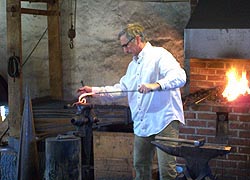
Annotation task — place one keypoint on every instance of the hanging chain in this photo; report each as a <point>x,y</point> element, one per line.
<point>72,31</point>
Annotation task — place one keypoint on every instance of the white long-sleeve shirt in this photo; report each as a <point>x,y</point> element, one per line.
<point>153,111</point>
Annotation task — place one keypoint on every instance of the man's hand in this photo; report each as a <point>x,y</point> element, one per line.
<point>145,88</point>
<point>85,89</point>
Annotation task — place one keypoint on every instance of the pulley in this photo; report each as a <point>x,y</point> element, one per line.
<point>72,31</point>
<point>71,35</point>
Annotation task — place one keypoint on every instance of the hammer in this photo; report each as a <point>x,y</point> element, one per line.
<point>196,143</point>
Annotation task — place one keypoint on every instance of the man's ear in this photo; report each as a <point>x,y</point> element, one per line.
<point>138,39</point>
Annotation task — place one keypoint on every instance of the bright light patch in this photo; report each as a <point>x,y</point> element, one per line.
<point>236,85</point>
<point>3,112</point>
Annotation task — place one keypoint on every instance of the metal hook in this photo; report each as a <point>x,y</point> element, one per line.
<point>71,45</point>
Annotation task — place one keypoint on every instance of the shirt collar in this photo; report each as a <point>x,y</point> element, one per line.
<point>142,53</point>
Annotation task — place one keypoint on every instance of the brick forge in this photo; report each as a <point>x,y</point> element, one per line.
<point>219,122</point>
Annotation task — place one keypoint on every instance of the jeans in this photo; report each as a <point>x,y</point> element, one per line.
<point>144,153</point>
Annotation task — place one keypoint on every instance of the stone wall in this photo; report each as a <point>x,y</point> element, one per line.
<point>97,57</point>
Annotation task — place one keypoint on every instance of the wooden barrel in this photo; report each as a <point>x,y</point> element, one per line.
<point>63,158</point>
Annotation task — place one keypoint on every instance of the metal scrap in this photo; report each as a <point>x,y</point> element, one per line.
<point>212,94</point>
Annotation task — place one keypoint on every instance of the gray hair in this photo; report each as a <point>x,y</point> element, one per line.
<point>133,30</point>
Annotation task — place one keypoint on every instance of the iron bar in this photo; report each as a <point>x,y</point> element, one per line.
<point>2,135</point>
<point>109,92</point>
<point>197,143</point>
<point>126,91</point>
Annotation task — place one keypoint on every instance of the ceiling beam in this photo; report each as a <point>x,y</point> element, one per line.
<point>39,12</point>
<point>41,1</point>
<point>160,0</point>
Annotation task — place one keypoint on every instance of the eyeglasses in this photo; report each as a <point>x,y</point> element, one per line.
<point>126,45</point>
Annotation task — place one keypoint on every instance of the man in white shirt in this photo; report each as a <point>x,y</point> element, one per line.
<point>156,107</point>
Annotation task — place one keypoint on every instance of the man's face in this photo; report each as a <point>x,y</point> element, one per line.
<point>129,45</point>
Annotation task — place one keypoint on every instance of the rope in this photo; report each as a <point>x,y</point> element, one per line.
<point>13,66</point>
<point>14,61</point>
<point>34,47</point>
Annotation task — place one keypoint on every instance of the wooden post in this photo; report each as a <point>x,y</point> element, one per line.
<point>14,47</point>
<point>55,59</point>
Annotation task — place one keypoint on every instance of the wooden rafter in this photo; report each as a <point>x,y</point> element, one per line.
<point>40,1</point>
<point>39,12</point>
<point>160,0</point>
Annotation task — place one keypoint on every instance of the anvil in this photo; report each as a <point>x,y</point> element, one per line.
<point>197,158</point>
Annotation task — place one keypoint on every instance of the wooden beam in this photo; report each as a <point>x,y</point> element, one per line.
<point>41,1</point>
<point>39,12</point>
<point>161,0</point>
<point>14,47</point>
<point>55,56</point>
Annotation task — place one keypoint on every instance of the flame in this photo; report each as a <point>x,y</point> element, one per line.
<point>236,85</point>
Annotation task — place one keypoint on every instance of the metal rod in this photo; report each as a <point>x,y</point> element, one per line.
<point>126,91</point>
<point>197,143</point>
<point>2,135</point>
<point>117,92</point>
<point>202,99</point>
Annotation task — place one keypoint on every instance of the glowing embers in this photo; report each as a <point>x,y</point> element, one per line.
<point>82,99</point>
<point>237,85</point>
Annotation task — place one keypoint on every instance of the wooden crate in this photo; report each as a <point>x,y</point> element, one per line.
<point>113,155</point>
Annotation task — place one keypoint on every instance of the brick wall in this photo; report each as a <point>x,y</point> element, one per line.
<point>221,124</point>
<point>203,121</point>
<point>207,73</point>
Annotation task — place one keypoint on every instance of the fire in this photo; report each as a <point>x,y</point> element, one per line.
<point>237,85</point>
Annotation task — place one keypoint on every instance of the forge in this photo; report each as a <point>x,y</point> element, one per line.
<point>216,39</point>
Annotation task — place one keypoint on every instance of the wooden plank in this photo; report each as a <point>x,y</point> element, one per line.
<point>113,175</point>
<point>164,1</point>
<point>40,1</point>
<point>113,145</point>
<point>52,126</point>
<point>114,164</point>
<point>14,47</point>
<point>53,120</point>
<point>55,59</point>
<point>113,157</point>
<point>39,12</point>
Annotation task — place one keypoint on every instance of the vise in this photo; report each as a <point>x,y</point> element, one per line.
<point>196,154</point>
<point>89,117</point>
<point>83,121</point>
